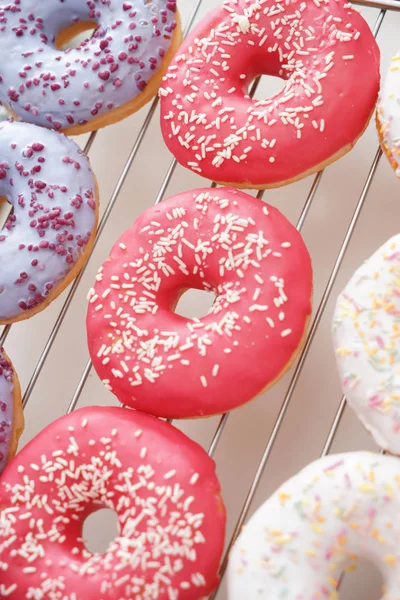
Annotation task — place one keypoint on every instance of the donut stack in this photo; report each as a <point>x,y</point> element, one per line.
<point>162,485</point>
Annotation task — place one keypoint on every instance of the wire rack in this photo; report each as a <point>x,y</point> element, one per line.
<point>260,445</point>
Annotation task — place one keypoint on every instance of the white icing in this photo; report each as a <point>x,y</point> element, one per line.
<point>337,509</point>
<point>366,334</point>
<point>389,111</point>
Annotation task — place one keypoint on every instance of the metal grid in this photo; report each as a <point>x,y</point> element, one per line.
<point>383,6</point>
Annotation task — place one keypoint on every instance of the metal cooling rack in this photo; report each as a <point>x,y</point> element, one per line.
<point>383,10</point>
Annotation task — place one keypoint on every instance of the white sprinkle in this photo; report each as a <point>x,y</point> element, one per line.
<point>170,474</point>
<point>7,591</point>
<point>29,569</point>
<point>203,381</point>
<point>259,307</point>
<point>194,478</point>
<point>215,370</point>
<point>286,332</point>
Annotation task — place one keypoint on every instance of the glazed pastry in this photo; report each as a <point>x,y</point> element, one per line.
<point>222,241</point>
<point>11,415</point>
<point>105,79</point>
<point>366,338</point>
<point>388,114</point>
<point>162,486</point>
<point>328,60</point>
<point>317,524</point>
<point>46,240</point>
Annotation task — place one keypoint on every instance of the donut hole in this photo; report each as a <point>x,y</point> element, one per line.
<point>194,303</point>
<point>6,209</point>
<point>6,112</point>
<point>73,35</point>
<point>362,579</point>
<point>269,86</point>
<point>100,529</point>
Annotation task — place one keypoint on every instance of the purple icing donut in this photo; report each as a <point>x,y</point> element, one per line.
<point>67,89</point>
<point>52,189</point>
<point>6,408</point>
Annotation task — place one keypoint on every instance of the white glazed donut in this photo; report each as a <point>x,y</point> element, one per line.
<point>337,509</point>
<point>46,240</point>
<point>366,334</point>
<point>388,114</point>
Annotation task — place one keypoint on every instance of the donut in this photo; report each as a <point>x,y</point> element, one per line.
<point>11,415</point>
<point>105,79</point>
<point>388,114</point>
<point>222,241</point>
<point>47,238</point>
<point>316,525</point>
<point>161,485</point>
<point>366,337</point>
<point>328,60</point>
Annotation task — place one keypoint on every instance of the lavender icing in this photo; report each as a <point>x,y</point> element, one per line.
<point>6,408</point>
<point>60,89</point>
<point>52,189</point>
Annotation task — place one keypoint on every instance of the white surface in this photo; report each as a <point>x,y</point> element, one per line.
<point>318,393</point>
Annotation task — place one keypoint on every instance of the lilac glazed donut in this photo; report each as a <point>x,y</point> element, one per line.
<point>104,79</point>
<point>45,241</point>
<point>11,415</point>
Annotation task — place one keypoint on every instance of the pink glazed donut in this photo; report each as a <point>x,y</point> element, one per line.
<point>224,241</point>
<point>324,52</point>
<point>161,485</point>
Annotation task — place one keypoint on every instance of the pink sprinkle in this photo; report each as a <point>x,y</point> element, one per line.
<point>380,342</point>
<point>375,401</point>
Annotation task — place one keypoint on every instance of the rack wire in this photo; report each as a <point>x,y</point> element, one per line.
<point>383,6</point>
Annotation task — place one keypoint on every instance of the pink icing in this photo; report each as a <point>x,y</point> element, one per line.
<point>224,241</point>
<point>328,59</point>
<point>162,486</point>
